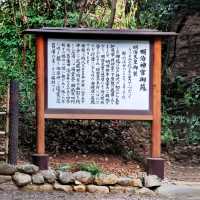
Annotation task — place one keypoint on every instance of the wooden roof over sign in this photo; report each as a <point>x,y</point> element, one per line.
<point>91,31</point>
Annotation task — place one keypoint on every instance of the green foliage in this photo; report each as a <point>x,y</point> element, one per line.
<point>181,118</point>
<point>92,167</point>
<point>65,167</point>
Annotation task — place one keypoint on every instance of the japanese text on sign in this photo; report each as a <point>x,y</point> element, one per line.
<point>98,74</point>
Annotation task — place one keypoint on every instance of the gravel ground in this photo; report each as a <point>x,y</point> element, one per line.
<point>19,195</point>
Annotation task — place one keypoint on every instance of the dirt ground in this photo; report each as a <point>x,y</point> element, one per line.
<point>117,165</point>
<point>108,163</point>
<point>18,195</point>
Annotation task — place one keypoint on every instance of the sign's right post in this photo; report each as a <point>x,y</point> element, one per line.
<point>155,164</point>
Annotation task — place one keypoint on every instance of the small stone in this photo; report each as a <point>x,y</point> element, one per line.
<point>31,188</point>
<point>28,169</point>
<point>8,186</point>
<point>49,176</point>
<point>83,177</point>
<point>38,188</point>
<point>21,179</point>
<point>77,183</point>
<point>79,188</point>
<point>97,189</point>
<point>65,188</point>
<point>137,183</point>
<point>127,181</point>
<point>38,179</point>
<point>46,188</point>
<point>117,189</point>
<point>65,177</point>
<point>152,181</point>
<point>7,169</point>
<point>145,191</point>
<point>130,189</point>
<point>4,179</point>
<point>122,189</point>
<point>104,179</point>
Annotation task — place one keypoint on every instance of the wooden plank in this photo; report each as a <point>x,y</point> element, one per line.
<point>98,116</point>
<point>156,123</point>
<point>40,56</point>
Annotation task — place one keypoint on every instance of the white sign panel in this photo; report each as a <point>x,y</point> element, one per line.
<point>98,74</point>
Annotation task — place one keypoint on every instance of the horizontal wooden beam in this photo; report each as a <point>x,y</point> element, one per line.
<point>99,116</point>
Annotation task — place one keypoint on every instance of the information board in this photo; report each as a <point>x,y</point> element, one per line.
<point>98,74</point>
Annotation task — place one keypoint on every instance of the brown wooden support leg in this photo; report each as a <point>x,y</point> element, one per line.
<point>156,164</point>
<point>40,158</point>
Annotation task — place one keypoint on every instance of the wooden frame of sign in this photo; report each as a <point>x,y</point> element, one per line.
<point>147,105</point>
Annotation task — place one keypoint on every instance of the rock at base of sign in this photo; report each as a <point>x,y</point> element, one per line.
<point>152,181</point>
<point>79,188</point>
<point>38,188</point>
<point>38,179</point>
<point>49,175</point>
<point>122,189</point>
<point>83,177</point>
<point>5,178</point>
<point>7,169</point>
<point>28,169</point>
<point>145,191</point>
<point>65,177</point>
<point>65,188</point>
<point>106,179</point>
<point>21,179</point>
<point>97,189</point>
<point>127,181</point>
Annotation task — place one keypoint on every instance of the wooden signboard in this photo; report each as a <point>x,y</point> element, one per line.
<point>98,74</point>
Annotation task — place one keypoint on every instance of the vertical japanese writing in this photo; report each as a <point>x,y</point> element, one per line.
<point>53,57</point>
<point>143,66</point>
<point>68,72</point>
<point>63,73</point>
<point>117,77</point>
<point>107,75</point>
<point>96,74</point>
<point>78,75</point>
<point>58,74</point>
<point>83,64</point>
<point>124,74</point>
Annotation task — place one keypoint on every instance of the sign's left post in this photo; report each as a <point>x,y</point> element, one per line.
<point>40,158</point>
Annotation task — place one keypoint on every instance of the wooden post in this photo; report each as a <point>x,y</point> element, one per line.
<point>156,124</point>
<point>40,94</point>
<point>13,123</point>
<point>40,159</point>
<point>155,164</point>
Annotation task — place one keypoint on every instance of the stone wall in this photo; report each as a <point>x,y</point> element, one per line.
<point>185,60</point>
<point>28,177</point>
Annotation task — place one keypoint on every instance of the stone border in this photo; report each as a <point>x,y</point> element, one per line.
<point>28,177</point>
